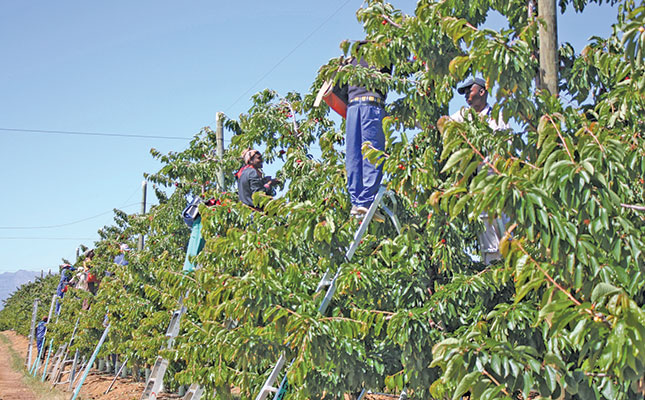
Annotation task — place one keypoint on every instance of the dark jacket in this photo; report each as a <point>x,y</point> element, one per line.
<point>249,181</point>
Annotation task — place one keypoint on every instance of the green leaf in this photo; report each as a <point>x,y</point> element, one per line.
<point>455,158</point>
<point>603,290</point>
<point>465,384</point>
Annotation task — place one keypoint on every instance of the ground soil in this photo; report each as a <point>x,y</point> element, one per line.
<point>14,387</point>
<point>93,388</point>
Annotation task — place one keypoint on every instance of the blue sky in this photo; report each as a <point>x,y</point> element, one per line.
<point>153,68</point>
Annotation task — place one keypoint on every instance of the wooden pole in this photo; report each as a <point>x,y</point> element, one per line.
<point>144,186</point>
<point>549,60</point>
<point>219,132</point>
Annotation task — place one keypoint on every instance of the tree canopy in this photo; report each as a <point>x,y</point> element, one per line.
<point>560,317</point>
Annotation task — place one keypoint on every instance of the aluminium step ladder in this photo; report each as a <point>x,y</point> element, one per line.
<point>155,381</point>
<point>330,283</point>
<point>195,392</point>
<point>57,362</point>
<point>88,366</point>
<point>61,362</point>
<point>32,334</point>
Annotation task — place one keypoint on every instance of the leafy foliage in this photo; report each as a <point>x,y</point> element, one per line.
<point>560,317</point>
<point>18,308</point>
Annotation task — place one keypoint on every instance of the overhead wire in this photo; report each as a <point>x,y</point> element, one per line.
<point>287,55</point>
<point>82,133</point>
<point>44,238</point>
<point>62,225</point>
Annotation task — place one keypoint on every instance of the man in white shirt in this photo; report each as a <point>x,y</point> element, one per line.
<point>474,89</point>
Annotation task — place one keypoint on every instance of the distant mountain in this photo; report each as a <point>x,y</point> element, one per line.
<point>9,282</point>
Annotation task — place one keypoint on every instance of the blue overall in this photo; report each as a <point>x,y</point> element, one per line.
<point>364,123</point>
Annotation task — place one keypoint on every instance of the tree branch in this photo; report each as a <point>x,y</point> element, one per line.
<point>561,138</point>
<point>489,376</point>
<point>633,207</point>
<point>484,159</point>
<point>390,21</point>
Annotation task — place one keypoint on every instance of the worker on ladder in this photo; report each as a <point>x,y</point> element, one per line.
<point>364,123</point>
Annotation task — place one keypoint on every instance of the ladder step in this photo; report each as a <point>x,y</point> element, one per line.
<point>325,281</point>
<point>173,327</point>
<point>194,392</point>
<point>153,386</point>
<point>268,385</point>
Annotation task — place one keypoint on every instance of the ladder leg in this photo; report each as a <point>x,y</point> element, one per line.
<point>268,385</point>
<point>194,392</point>
<point>282,390</point>
<point>90,362</point>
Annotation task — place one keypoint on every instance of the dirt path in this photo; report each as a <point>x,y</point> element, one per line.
<point>12,386</point>
<point>93,388</point>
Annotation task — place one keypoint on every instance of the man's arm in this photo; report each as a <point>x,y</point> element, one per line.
<point>255,182</point>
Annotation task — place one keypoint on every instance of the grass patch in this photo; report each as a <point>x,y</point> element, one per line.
<point>42,390</point>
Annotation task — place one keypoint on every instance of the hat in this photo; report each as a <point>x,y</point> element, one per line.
<point>461,89</point>
<point>248,154</point>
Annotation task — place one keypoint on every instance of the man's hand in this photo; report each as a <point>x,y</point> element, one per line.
<point>441,123</point>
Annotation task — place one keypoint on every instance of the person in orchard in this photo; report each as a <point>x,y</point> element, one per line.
<point>364,123</point>
<point>250,178</point>
<point>476,94</point>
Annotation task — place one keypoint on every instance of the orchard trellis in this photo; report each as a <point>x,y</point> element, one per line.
<point>561,317</point>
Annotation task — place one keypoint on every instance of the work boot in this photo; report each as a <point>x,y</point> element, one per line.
<point>361,211</point>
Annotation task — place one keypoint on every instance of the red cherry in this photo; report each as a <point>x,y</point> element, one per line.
<point>586,222</point>
<point>384,22</point>
<point>298,161</point>
<point>400,166</point>
<point>443,240</point>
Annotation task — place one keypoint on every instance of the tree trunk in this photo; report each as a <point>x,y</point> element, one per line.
<point>548,46</point>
